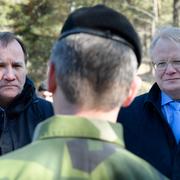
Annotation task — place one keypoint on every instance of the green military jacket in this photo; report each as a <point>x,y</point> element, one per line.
<point>74,148</point>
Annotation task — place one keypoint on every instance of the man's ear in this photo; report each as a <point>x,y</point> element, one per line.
<point>51,78</point>
<point>135,85</point>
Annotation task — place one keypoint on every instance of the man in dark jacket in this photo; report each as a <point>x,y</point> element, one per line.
<point>152,123</point>
<point>20,109</point>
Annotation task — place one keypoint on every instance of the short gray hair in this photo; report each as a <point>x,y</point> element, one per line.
<point>92,71</point>
<point>166,32</point>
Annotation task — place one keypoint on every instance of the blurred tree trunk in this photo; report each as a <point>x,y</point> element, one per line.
<point>176,12</point>
<point>156,15</point>
<point>155,20</point>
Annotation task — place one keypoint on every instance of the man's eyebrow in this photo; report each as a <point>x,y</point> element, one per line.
<point>17,62</point>
<point>161,60</point>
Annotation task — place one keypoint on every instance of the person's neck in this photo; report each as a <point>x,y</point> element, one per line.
<point>173,95</point>
<point>67,109</point>
<point>110,116</point>
<point>63,107</point>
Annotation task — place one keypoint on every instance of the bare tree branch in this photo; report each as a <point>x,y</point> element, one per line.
<point>150,15</point>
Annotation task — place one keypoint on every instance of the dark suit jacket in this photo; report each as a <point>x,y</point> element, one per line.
<point>148,135</point>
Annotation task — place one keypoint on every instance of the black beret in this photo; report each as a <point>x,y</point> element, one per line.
<point>103,21</point>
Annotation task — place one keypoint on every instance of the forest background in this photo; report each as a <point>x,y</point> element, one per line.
<point>38,23</point>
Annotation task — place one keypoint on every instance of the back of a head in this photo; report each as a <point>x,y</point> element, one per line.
<point>43,86</point>
<point>8,37</point>
<point>166,32</point>
<point>96,57</point>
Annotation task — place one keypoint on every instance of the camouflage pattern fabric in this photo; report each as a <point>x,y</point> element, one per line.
<point>74,148</point>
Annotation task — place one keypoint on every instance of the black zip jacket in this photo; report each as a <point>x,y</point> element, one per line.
<point>19,119</point>
<point>148,135</point>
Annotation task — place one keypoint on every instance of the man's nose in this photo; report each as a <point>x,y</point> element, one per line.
<point>170,68</point>
<point>9,74</point>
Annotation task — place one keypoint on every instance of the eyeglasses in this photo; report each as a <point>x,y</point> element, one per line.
<point>164,64</point>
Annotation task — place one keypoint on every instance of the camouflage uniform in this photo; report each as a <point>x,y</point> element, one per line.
<point>74,148</point>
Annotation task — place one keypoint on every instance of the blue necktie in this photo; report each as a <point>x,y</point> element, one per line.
<point>175,124</point>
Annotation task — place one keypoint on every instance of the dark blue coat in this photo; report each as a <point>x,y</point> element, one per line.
<point>18,120</point>
<point>148,135</point>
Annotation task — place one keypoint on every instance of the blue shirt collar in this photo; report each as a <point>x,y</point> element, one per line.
<point>165,99</point>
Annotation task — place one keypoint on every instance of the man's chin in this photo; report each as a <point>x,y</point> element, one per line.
<point>7,95</point>
<point>173,92</point>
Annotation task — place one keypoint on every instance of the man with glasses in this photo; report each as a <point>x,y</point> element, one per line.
<point>152,122</point>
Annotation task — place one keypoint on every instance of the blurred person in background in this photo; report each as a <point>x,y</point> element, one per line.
<point>43,92</point>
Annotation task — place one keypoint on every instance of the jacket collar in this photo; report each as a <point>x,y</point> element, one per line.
<point>154,96</point>
<point>153,99</point>
<point>79,127</point>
